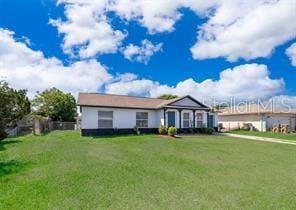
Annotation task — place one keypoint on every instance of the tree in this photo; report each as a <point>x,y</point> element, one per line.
<point>14,105</point>
<point>55,104</point>
<point>167,96</point>
<point>220,106</point>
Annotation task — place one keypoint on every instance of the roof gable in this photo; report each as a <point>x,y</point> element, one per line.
<point>187,101</point>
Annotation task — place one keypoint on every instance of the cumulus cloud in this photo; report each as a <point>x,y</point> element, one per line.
<point>232,29</point>
<point>156,17</point>
<point>87,31</point>
<point>291,53</point>
<point>245,82</point>
<point>141,53</point>
<point>24,68</point>
<point>246,29</point>
<point>161,16</point>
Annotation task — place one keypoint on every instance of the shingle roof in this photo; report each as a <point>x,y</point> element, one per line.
<point>255,109</point>
<point>109,100</point>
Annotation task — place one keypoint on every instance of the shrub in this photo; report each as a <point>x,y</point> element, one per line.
<point>203,130</point>
<point>172,131</point>
<point>196,130</point>
<point>162,130</point>
<point>210,130</point>
<point>207,130</point>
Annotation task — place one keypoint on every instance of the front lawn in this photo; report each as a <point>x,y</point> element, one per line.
<point>268,134</point>
<point>65,171</point>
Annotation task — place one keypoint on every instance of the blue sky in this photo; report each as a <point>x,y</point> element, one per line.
<point>173,63</point>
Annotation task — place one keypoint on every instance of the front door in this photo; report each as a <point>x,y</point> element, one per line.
<point>210,121</point>
<point>171,119</point>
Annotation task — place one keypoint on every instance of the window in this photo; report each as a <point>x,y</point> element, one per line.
<point>186,120</point>
<point>105,119</point>
<point>142,119</point>
<point>198,120</point>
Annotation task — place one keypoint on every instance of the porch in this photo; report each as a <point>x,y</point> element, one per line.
<point>185,119</point>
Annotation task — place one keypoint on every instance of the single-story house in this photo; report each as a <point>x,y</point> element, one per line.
<point>119,114</point>
<point>262,118</point>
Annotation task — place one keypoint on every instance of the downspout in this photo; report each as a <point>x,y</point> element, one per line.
<point>208,120</point>
<point>164,116</point>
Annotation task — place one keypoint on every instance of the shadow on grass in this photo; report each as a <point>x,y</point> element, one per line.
<point>9,167</point>
<point>114,136</point>
<point>5,142</point>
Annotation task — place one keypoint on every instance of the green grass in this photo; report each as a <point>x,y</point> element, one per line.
<point>62,170</point>
<point>286,136</point>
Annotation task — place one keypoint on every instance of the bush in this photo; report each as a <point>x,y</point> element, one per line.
<point>191,130</point>
<point>172,131</point>
<point>162,130</point>
<point>207,130</point>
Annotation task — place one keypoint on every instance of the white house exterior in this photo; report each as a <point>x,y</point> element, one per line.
<point>262,119</point>
<point>109,114</point>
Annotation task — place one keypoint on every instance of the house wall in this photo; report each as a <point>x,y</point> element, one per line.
<point>275,119</point>
<point>293,123</point>
<point>122,118</point>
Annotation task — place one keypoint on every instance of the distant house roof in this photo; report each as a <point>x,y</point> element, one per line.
<point>256,109</point>
<point>123,101</point>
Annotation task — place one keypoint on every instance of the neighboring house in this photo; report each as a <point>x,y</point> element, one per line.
<point>262,118</point>
<point>109,114</point>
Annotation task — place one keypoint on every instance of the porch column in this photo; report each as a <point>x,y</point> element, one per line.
<point>180,118</point>
<point>208,120</point>
<point>164,116</point>
<point>193,118</point>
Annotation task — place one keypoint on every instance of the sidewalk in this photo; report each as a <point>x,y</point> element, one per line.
<point>281,141</point>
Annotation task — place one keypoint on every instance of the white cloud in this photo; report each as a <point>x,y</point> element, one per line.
<point>141,53</point>
<point>156,17</point>
<point>161,16</point>
<point>246,30</point>
<point>129,84</point>
<point>232,29</point>
<point>24,68</point>
<point>87,29</point>
<point>291,53</point>
<point>245,82</point>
